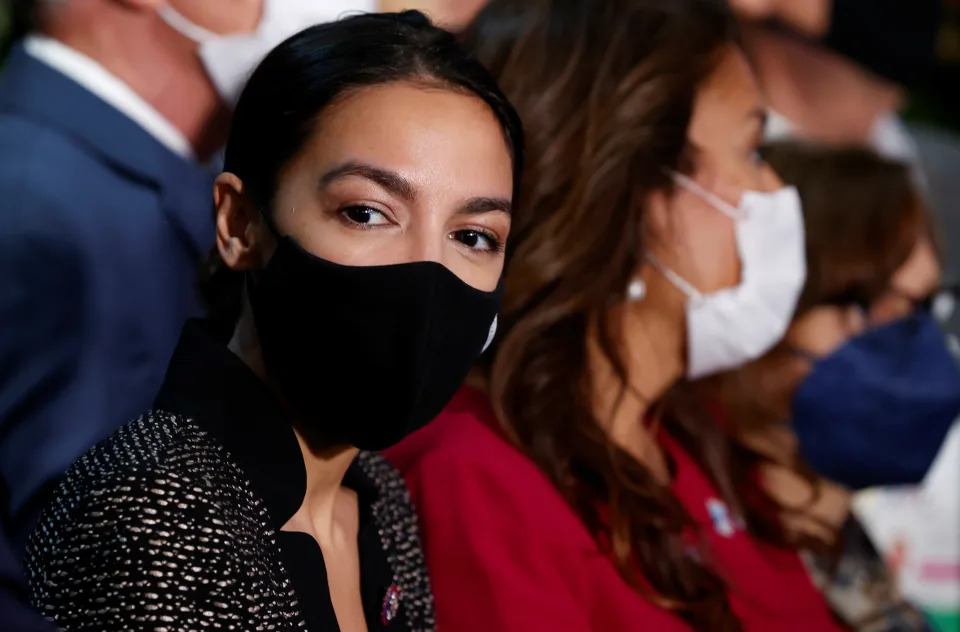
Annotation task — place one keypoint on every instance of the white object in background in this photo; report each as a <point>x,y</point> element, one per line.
<point>337,8</point>
<point>889,136</point>
<point>918,529</point>
<point>891,139</point>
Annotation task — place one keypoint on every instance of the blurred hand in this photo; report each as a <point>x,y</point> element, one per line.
<point>817,510</point>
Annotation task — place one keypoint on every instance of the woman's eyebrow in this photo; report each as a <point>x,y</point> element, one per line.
<point>403,188</point>
<point>389,180</point>
<point>478,205</point>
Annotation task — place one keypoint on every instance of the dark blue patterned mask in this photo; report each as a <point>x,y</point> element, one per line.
<point>876,411</point>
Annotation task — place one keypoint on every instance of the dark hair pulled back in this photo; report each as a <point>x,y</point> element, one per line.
<point>286,96</point>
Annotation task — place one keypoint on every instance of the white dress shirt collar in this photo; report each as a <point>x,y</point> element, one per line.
<point>98,80</point>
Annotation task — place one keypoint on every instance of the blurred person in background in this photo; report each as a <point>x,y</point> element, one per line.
<point>104,111</point>
<point>108,111</point>
<point>873,281</point>
<point>863,387</point>
<point>834,70</point>
<point>581,485</point>
<point>839,72</point>
<point>106,115</point>
<point>361,224</point>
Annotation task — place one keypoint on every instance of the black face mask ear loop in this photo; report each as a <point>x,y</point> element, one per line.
<point>268,220</point>
<point>250,277</point>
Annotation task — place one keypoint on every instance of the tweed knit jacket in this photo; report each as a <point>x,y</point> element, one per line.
<point>167,526</point>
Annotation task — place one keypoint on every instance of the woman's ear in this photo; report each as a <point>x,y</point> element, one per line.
<point>657,222</point>
<point>242,238</point>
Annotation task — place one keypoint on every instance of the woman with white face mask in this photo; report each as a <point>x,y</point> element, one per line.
<point>575,490</point>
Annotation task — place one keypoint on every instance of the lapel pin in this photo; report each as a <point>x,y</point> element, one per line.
<point>391,604</point>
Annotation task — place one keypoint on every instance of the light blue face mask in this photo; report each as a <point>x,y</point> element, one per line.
<point>876,411</point>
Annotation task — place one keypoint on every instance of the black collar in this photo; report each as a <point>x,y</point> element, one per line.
<point>208,383</point>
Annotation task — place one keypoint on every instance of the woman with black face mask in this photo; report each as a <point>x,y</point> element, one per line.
<point>360,222</point>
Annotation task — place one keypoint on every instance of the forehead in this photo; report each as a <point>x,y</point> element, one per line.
<point>727,99</point>
<point>424,133</point>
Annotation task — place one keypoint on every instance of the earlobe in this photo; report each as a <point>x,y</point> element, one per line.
<point>231,250</point>
<point>656,217</point>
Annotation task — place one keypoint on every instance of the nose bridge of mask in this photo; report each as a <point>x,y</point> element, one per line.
<point>773,260</point>
<point>771,230</point>
<point>896,342</point>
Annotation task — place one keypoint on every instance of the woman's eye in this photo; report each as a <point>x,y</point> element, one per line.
<point>365,216</point>
<point>478,240</point>
<point>756,156</point>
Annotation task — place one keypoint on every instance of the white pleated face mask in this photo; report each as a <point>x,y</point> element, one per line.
<point>730,327</point>
<point>230,59</point>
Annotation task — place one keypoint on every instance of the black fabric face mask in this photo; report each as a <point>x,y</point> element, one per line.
<point>366,355</point>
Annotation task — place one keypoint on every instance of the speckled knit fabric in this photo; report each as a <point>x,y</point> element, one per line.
<point>156,528</point>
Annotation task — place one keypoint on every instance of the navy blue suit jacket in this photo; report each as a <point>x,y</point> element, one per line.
<point>102,229</point>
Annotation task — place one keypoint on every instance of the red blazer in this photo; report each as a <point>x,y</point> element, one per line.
<point>507,554</point>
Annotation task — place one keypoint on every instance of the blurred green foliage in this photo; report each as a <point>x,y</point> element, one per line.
<point>940,104</point>
<point>16,19</point>
<point>6,27</point>
<point>4,19</point>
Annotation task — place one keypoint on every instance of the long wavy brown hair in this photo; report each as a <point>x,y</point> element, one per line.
<point>606,91</point>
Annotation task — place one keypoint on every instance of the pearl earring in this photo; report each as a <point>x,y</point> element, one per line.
<point>637,290</point>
